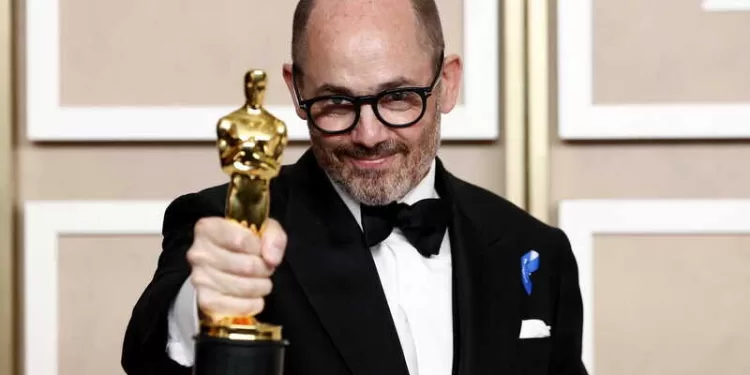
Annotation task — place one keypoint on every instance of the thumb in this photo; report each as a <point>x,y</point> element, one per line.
<point>273,243</point>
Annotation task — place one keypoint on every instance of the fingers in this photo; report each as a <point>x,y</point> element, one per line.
<point>238,264</point>
<point>214,302</point>
<point>232,285</point>
<point>227,234</point>
<point>232,266</point>
<point>273,243</point>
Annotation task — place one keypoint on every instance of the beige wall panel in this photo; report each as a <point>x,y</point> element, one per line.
<point>153,172</point>
<point>624,68</point>
<point>649,170</point>
<point>669,305</point>
<point>122,171</point>
<point>114,54</point>
<point>480,164</point>
<point>100,279</point>
<point>173,52</point>
<point>669,51</point>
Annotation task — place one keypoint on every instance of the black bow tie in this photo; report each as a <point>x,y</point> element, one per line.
<point>423,224</point>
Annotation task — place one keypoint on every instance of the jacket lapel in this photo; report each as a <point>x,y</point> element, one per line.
<point>486,285</point>
<point>464,300</point>
<point>328,256</point>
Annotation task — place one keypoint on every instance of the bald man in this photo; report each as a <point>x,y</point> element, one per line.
<point>377,260</point>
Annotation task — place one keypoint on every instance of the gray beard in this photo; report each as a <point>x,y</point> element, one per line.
<point>377,188</point>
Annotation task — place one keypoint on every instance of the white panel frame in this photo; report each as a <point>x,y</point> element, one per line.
<point>726,5</point>
<point>583,219</point>
<point>580,119</point>
<point>47,120</point>
<point>44,223</point>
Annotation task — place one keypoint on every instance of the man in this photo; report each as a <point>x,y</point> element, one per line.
<point>487,290</point>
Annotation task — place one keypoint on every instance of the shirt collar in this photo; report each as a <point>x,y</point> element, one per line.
<point>425,189</point>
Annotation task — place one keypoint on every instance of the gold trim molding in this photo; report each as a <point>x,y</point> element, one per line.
<point>7,260</point>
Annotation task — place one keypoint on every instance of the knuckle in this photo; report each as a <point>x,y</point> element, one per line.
<point>258,288</point>
<point>193,255</point>
<point>276,232</point>
<point>244,242</point>
<point>264,287</point>
<point>218,303</point>
<point>255,305</point>
<point>250,267</point>
<point>202,225</point>
<point>240,267</point>
<point>197,255</point>
<point>198,279</point>
<point>207,300</point>
<point>255,289</point>
<point>239,241</point>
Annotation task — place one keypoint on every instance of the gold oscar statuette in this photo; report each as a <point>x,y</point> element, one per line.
<point>250,142</point>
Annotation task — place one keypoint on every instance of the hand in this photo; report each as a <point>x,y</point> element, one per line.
<point>232,266</point>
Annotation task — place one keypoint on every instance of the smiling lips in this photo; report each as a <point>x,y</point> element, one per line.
<point>372,162</point>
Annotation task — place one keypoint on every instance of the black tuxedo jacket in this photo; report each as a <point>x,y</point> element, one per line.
<point>328,297</point>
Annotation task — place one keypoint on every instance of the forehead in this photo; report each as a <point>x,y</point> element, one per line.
<point>331,18</point>
<point>364,37</point>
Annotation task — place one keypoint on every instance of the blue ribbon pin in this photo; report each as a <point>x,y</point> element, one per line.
<point>529,264</point>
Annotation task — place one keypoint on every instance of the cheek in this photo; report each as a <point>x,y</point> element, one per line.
<point>329,143</point>
<point>415,134</point>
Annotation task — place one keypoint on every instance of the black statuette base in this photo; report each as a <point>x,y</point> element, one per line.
<point>220,356</point>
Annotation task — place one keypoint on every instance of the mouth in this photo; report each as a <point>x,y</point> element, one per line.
<point>375,162</point>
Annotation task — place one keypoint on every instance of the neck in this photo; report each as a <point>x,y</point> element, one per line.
<point>252,106</point>
<point>253,100</point>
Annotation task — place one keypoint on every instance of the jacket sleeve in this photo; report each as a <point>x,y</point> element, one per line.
<point>144,348</point>
<point>567,337</point>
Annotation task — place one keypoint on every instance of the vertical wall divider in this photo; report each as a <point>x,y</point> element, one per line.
<point>7,235</point>
<point>514,94</point>
<point>538,104</point>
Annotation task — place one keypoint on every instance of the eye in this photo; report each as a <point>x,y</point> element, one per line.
<point>396,96</point>
<point>334,102</point>
<point>333,106</point>
<point>400,101</point>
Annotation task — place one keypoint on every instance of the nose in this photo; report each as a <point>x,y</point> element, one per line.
<point>369,131</point>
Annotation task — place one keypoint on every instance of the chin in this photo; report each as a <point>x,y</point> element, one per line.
<point>371,183</point>
<point>378,186</point>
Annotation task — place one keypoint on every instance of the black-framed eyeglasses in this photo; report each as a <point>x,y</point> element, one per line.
<point>398,108</point>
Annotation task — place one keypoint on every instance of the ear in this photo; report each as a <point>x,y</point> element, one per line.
<point>289,79</point>
<point>451,82</point>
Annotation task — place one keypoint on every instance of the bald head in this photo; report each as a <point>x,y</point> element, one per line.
<point>347,52</point>
<point>423,14</point>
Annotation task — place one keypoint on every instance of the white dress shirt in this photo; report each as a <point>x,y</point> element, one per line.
<point>418,291</point>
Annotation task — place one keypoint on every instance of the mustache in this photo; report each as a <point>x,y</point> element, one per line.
<point>382,149</point>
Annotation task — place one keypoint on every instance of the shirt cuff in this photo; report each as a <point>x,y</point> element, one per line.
<point>183,326</point>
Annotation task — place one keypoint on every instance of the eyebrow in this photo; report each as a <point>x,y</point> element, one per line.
<point>331,89</point>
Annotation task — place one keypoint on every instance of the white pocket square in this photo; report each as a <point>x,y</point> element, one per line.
<point>534,329</point>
